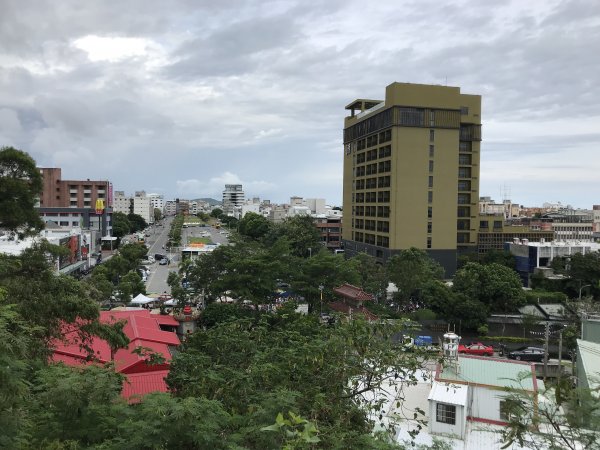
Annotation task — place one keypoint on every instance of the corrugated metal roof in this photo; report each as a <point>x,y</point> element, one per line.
<point>143,330</point>
<point>352,292</point>
<point>494,372</point>
<point>137,385</point>
<point>453,394</point>
<point>589,354</point>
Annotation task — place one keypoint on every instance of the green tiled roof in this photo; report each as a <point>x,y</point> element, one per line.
<point>499,373</point>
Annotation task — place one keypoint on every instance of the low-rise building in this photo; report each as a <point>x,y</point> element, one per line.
<point>143,330</point>
<point>530,256</point>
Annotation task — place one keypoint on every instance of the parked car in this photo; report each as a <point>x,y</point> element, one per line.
<point>163,262</point>
<point>159,256</point>
<point>527,354</point>
<point>476,348</point>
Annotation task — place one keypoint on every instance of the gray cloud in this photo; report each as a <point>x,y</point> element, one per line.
<point>256,89</point>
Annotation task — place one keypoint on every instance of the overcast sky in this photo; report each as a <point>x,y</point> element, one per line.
<point>182,97</point>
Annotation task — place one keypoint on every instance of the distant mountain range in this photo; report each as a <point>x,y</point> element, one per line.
<point>210,201</point>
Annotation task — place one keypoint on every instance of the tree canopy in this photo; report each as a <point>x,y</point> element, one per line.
<point>20,186</point>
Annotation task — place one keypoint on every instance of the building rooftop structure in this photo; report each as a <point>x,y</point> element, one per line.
<point>143,330</point>
<point>489,372</point>
<point>589,364</point>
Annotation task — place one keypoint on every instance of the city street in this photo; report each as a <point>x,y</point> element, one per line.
<point>157,280</point>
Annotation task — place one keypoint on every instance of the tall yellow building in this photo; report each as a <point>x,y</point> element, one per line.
<point>411,173</point>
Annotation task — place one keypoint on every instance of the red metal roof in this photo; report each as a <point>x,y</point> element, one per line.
<point>137,385</point>
<point>352,293</point>
<point>165,320</point>
<point>142,329</point>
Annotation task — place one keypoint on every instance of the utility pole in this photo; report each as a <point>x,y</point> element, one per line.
<point>559,354</point>
<point>547,337</point>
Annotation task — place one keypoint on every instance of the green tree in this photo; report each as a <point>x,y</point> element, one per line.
<point>301,234</point>
<point>373,277</point>
<point>217,213</point>
<point>157,214</point>
<point>121,224</point>
<point>20,186</point>
<point>278,363</point>
<point>254,226</point>
<point>502,257</point>
<point>137,222</point>
<point>324,269</point>
<point>74,404</point>
<point>494,285</point>
<point>410,270</point>
<point>566,419</point>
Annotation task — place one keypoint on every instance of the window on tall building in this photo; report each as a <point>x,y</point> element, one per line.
<point>430,184</point>
<point>385,136</point>
<point>429,212</point>
<point>464,160</point>
<point>430,166</point>
<point>464,172</point>
<point>464,211</point>
<point>430,197</point>
<point>429,242</point>
<point>464,199</point>
<point>445,413</point>
<point>464,185</point>
<point>431,135</point>
<point>429,227</point>
<point>431,151</point>
<point>464,110</point>
<point>465,146</point>
<point>431,118</point>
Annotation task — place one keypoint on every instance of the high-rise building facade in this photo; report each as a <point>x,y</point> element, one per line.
<point>233,197</point>
<point>411,173</point>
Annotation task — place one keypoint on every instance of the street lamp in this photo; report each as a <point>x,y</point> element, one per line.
<point>581,287</point>
<point>321,287</point>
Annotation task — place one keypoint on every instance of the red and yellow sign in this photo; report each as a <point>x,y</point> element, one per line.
<point>99,206</point>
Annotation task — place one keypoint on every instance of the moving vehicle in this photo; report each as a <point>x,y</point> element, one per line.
<point>527,354</point>
<point>159,256</point>
<point>163,262</point>
<point>476,348</point>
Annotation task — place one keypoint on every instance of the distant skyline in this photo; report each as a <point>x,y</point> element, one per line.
<point>183,97</point>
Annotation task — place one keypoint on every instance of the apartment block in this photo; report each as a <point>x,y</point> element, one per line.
<point>411,173</point>
<point>71,203</point>
<point>233,197</point>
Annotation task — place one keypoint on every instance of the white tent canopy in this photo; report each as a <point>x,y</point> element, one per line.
<point>141,299</point>
<point>170,302</point>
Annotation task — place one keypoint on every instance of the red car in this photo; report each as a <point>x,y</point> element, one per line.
<point>476,348</point>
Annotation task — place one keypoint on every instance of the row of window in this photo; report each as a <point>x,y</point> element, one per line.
<point>371,211</point>
<point>367,238</point>
<point>371,197</point>
<point>373,183</point>
<point>373,169</point>
<point>370,141</point>
<point>383,226</point>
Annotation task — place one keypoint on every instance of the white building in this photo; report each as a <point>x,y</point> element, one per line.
<point>233,196</point>
<point>122,203</point>
<point>170,208</point>
<point>142,207</point>
<point>463,400</point>
<point>157,201</point>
